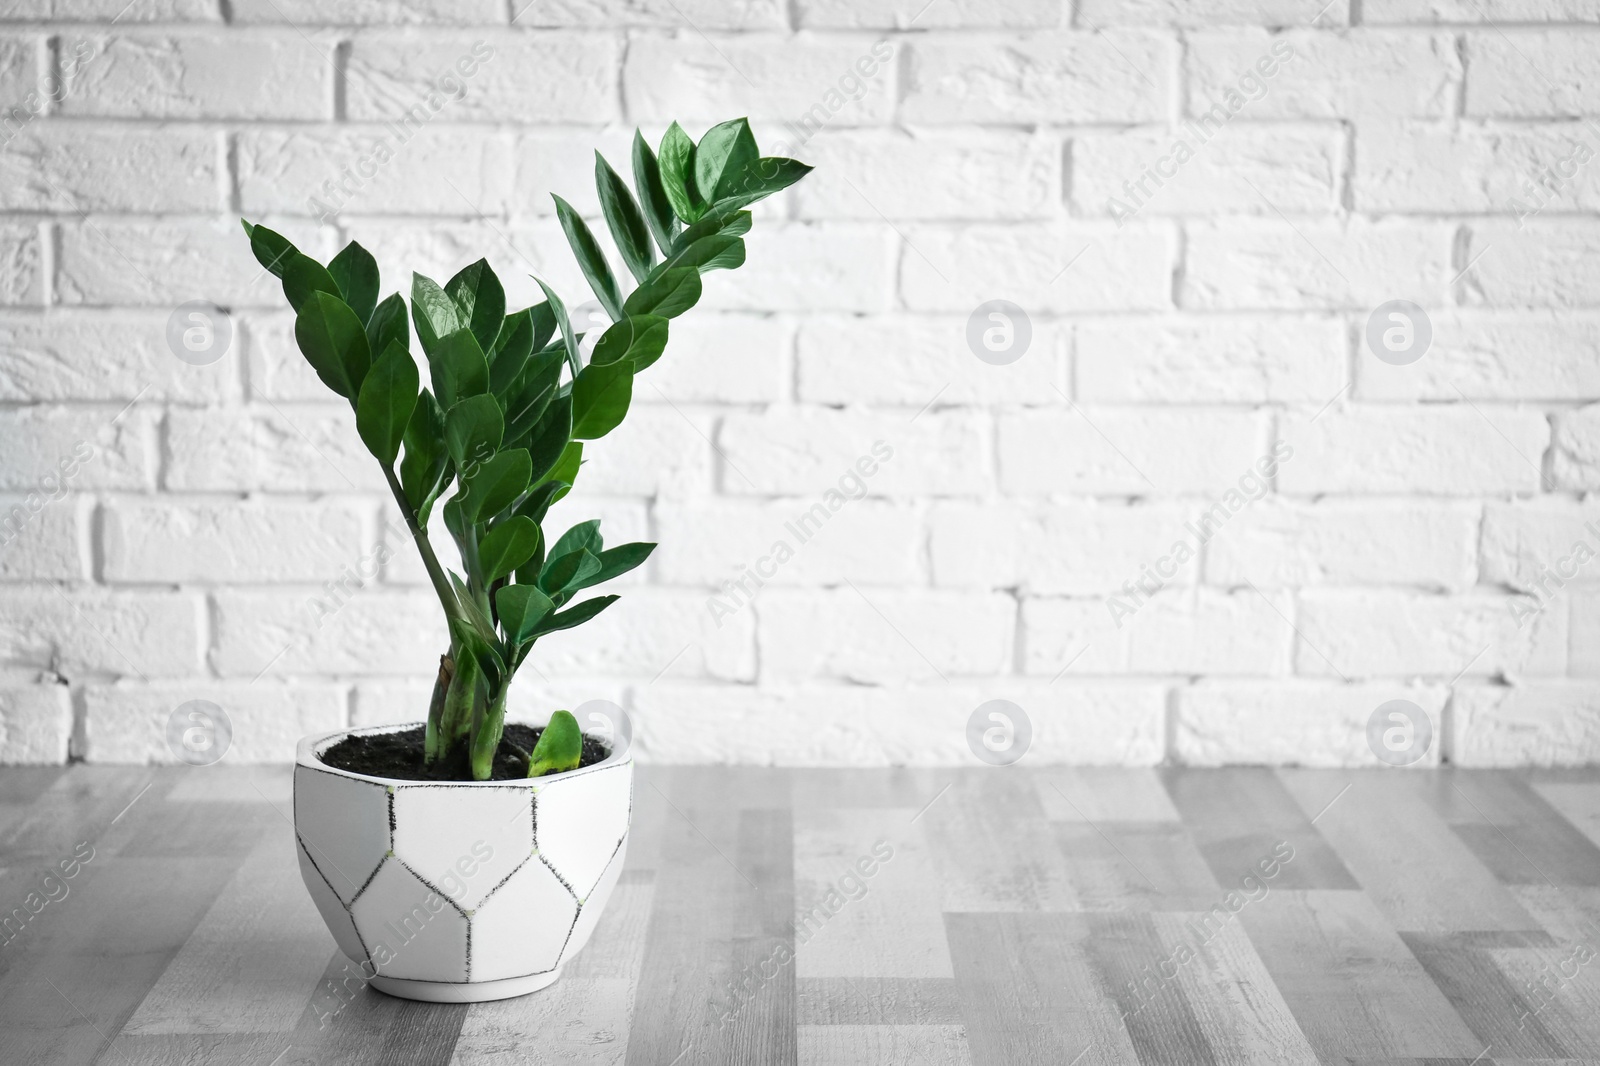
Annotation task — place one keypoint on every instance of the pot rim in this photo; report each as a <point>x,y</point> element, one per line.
<point>308,753</point>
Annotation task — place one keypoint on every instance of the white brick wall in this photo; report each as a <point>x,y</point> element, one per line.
<point>1090,532</point>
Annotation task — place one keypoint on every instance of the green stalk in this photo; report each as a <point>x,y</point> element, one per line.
<point>433,746</point>
<point>430,561</point>
<point>486,735</point>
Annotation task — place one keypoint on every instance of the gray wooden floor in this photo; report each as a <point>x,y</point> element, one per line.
<point>1011,916</point>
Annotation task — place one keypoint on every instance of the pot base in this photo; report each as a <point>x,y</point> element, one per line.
<point>472,992</point>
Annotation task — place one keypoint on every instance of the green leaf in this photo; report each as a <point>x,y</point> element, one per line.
<point>433,313</point>
<point>304,276</point>
<point>720,221</point>
<point>356,273</point>
<point>521,607</point>
<point>652,197</point>
<point>677,174</point>
<point>669,294</point>
<point>388,397</point>
<point>725,150</point>
<point>568,338</point>
<point>581,537</point>
<point>507,546</point>
<point>550,436</point>
<point>388,323</point>
<point>759,180</point>
<point>617,561</point>
<point>600,398</point>
<point>537,503</point>
<point>544,324</point>
<point>574,616</point>
<point>721,252</point>
<point>534,391</point>
<point>511,350</point>
<point>473,430</point>
<point>563,572</point>
<point>560,747</point>
<point>624,219</point>
<point>566,467</point>
<point>638,339</point>
<point>590,258</point>
<point>271,248</point>
<point>496,484</point>
<point>425,461</point>
<point>334,343</point>
<point>480,301</point>
<point>458,368</point>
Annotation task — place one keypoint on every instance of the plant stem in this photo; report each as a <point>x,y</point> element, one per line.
<point>430,561</point>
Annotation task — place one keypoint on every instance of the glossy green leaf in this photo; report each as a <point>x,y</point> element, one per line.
<point>550,436</point>
<point>507,546</point>
<point>528,399</point>
<point>637,339</point>
<point>388,397</point>
<point>568,338</point>
<point>522,608</point>
<point>566,467</point>
<point>334,343</point>
<point>480,301</point>
<point>719,222</point>
<point>458,368</point>
<point>669,294</point>
<point>473,430</point>
<point>614,562</point>
<point>537,503</point>
<point>423,467</point>
<point>591,258</point>
<point>559,748</point>
<point>495,484</point>
<point>721,252</point>
<point>433,313</point>
<point>652,196</point>
<point>574,616</point>
<point>600,399</point>
<point>272,249</point>
<point>304,276</point>
<point>511,350</point>
<point>581,537</point>
<point>624,220</point>
<point>676,160</point>
<point>388,323</point>
<point>759,180</point>
<point>564,572</point>
<point>356,273</point>
<point>544,324</point>
<point>725,150</point>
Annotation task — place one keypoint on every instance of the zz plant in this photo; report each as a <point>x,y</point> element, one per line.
<point>500,434</point>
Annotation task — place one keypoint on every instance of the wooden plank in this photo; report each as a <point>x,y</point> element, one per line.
<point>1030,990</point>
<point>883,1045</point>
<point>1240,815</point>
<point>226,782</point>
<point>1419,873</point>
<point>1489,1002</point>
<point>897,786</point>
<point>857,913</point>
<point>992,847</point>
<point>1350,981</point>
<point>1127,955</point>
<point>878,1001</point>
<point>1098,794</point>
<point>1135,866</point>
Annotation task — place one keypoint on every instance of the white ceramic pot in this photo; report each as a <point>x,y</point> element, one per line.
<point>460,891</point>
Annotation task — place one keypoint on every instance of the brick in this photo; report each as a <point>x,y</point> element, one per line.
<point>808,267</point>
<point>1210,360</point>
<point>393,168</point>
<point>77,168</point>
<point>1118,76</point>
<point>653,633</point>
<point>1044,549</point>
<point>127,723</point>
<point>658,451</point>
<point>1068,639</point>
<point>1546,723</point>
<point>976,174</point>
<point>1424,167</point>
<point>877,636</point>
<point>168,541</point>
<point>787,542</point>
<point>24,88</point>
<point>1209,13</point>
<point>106,357</point>
<point>816,451</point>
<point>1529,545</point>
<point>921,725</point>
<point>35,723</point>
<point>1042,269</point>
<point>531,699</point>
<point>562,162</point>
<point>1238,169</point>
<point>199,74</point>
<point>22,282</point>
<point>298,448</point>
<point>369,631</point>
<point>97,632</point>
<point>1546,262</point>
<point>1101,451</point>
<point>914,361</point>
<point>370,12</point>
<point>90,447</point>
<point>657,14</point>
<point>1292,723</point>
<point>892,15</point>
<point>1583,646</point>
<point>1403,11</point>
<point>1397,633</point>
<point>464,77</point>
<point>1496,356</point>
<point>113,10</point>
<point>698,81</point>
<point>39,536</point>
<point>1335,542</point>
<point>1351,74</point>
<point>715,358</point>
<point>1272,264</point>
<point>1503,80</point>
<point>1575,449</point>
<point>1430,451</point>
<point>162,264</point>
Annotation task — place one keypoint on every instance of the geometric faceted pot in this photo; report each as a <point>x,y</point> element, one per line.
<point>460,891</point>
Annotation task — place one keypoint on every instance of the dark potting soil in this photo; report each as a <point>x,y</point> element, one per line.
<point>399,755</point>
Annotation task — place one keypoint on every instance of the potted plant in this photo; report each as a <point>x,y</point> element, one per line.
<point>455,860</point>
